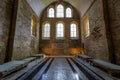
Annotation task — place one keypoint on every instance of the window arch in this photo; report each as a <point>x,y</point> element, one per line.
<point>59,30</point>
<point>68,12</point>
<point>73,30</point>
<point>46,30</point>
<point>51,12</point>
<point>60,11</point>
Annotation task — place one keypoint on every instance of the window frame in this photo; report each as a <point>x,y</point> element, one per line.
<point>66,12</point>
<point>49,13</point>
<point>43,37</point>
<point>62,12</point>
<point>86,27</point>
<point>63,30</point>
<point>77,31</point>
<point>33,26</point>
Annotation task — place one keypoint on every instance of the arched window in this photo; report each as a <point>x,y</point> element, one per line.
<point>34,26</point>
<point>73,31</point>
<point>46,31</point>
<point>86,27</point>
<point>51,12</point>
<point>59,30</point>
<point>60,11</point>
<point>68,12</point>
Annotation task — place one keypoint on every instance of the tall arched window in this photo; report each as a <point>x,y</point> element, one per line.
<point>60,11</point>
<point>51,12</point>
<point>46,31</point>
<point>34,26</point>
<point>73,31</point>
<point>59,30</point>
<point>68,12</point>
<point>86,27</point>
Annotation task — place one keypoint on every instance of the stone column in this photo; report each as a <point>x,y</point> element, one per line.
<point>12,26</point>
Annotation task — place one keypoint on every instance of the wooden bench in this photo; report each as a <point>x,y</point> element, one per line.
<point>107,66</point>
<point>84,57</point>
<point>11,66</point>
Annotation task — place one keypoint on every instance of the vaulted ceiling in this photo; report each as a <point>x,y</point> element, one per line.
<point>80,5</point>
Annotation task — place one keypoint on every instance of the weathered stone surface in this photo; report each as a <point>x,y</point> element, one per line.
<point>114,9</point>
<point>96,44</point>
<point>24,43</point>
<point>5,14</point>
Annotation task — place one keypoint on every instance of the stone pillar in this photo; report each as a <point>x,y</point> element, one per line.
<point>10,42</point>
<point>108,31</point>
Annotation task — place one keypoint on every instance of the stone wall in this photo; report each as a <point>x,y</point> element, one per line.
<point>24,43</point>
<point>114,10</point>
<point>66,46</point>
<point>96,43</point>
<point>5,16</point>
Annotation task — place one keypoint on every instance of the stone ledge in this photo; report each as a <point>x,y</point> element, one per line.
<point>14,65</point>
<point>107,66</point>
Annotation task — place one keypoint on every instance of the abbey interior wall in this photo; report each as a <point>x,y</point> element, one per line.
<point>96,43</point>
<point>5,16</point>
<point>114,10</point>
<point>24,43</point>
<point>66,46</point>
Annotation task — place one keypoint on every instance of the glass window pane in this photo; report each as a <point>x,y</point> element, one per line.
<point>60,30</point>
<point>51,12</point>
<point>60,11</point>
<point>68,12</point>
<point>34,26</point>
<point>46,30</point>
<point>86,27</point>
<point>73,30</point>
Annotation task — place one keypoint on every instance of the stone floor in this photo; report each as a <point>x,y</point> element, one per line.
<point>59,68</point>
